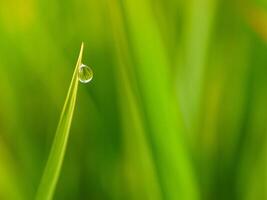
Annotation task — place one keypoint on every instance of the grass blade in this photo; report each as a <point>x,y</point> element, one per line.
<point>162,115</point>
<point>51,174</point>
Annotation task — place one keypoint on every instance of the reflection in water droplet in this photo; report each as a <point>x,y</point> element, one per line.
<point>85,73</point>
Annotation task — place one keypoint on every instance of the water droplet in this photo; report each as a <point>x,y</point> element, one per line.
<point>85,73</point>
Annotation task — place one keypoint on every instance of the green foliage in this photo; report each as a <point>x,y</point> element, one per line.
<point>176,110</point>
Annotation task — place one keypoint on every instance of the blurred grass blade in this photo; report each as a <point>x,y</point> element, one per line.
<point>164,124</point>
<point>51,174</point>
<point>137,153</point>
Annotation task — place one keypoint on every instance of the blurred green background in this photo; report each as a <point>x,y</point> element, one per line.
<point>177,108</point>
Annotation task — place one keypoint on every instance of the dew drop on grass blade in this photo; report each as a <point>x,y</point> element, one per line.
<point>52,170</point>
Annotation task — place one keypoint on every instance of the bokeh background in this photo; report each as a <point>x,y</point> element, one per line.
<point>177,108</point>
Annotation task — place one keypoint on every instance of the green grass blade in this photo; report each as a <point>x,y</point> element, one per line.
<point>51,174</point>
<point>162,114</point>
